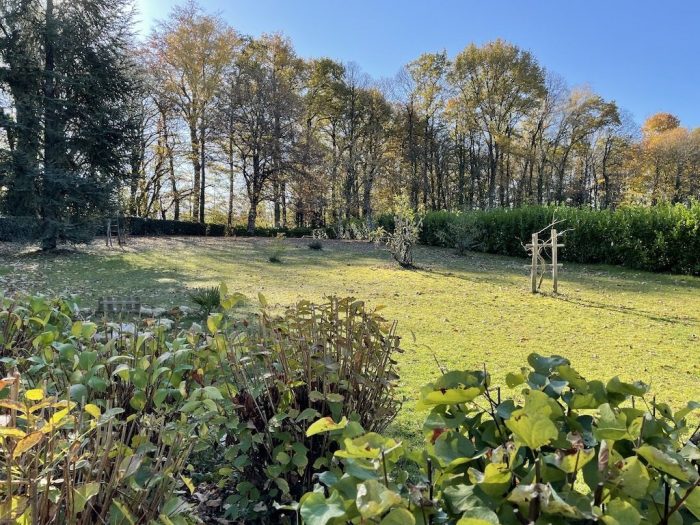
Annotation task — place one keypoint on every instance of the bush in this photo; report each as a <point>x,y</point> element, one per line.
<point>562,451</point>
<point>352,229</point>
<point>31,229</point>
<point>146,226</point>
<point>329,360</point>
<point>662,238</point>
<point>208,299</point>
<point>94,431</point>
<point>134,411</point>
<point>316,244</point>
<point>406,232</point>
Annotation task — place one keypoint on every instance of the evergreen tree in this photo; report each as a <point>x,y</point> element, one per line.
<point>70,78</point>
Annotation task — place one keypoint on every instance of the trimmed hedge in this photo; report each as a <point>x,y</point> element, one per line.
<point>17,229</point>
<point>664,238</point>
<point>146,226</point>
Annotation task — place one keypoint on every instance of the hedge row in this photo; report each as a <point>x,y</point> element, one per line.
<point>664,238</point>
<point>145,226</point>
<point>14,229</point>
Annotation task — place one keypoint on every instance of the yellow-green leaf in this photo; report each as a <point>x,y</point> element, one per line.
<point>26,443</point>
<point>12,432</point>
<point>93,410</point>
<point>188,483</point>
<point>36,394</point>
<point>326,425</point>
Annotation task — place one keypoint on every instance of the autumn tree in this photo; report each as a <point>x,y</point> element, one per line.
<point>259,109</point>
<point>190,52</point>
<point>500,84</point>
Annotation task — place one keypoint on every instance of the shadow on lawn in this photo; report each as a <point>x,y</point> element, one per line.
<point>686,321</point>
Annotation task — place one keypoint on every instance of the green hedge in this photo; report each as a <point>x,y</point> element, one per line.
<point>664,238</point>
<point>146,226</point>
<point>17,229</point>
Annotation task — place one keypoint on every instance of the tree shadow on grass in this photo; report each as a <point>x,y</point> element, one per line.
<point>686,321</point>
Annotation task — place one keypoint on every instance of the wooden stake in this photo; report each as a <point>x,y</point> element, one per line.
<point>555,267</point>
<point>533,269</point>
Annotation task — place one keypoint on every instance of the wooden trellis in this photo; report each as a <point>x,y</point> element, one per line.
<point>539,266</point>
<point>114,229</point>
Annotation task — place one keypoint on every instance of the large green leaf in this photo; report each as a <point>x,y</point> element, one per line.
<point>325,424</point>
<point>674,466</point>
<point>398,517</point>
<point>450,396</point>
<point>374,499</point>
<point>634,478</point>
<point>82,495</point>
<point>532,424</point>
<point>571,461</point>
<point>479,516</point>
<point>692,501</point>
<point>620,512</point>
<point>611,425</point>
<point>494,480</point>
<point>317,510</point>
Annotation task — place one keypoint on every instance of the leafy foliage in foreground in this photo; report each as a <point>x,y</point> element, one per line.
<point>92,429</point>
<point>562,451</point>
<point>111,422</point>
<point>327,360</point>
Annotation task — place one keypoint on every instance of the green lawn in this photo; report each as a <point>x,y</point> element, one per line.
<point>464,311</point>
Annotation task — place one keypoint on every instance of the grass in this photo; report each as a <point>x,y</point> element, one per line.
<point>464,311</point>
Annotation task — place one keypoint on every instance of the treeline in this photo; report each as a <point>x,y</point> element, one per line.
<point>202,123</point>
<point>316,141</point>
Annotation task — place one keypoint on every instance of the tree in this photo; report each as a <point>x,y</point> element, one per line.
<point>69,72</point>
<point>500,84</point>
<point>260,111</point>
<point>190,52</point>
<point>427,73</point>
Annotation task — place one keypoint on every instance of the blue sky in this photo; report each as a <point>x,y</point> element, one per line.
<point>643,54</point>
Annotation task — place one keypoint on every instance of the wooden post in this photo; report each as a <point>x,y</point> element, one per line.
<point>555,267</point>
<point>533,269</point>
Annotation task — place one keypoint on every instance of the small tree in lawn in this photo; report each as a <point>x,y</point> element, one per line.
<point>407,226</point>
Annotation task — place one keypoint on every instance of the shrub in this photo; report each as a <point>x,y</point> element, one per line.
<point>19,229</point>
<point>319,233</point>
<point>208,299</point>
<point>353,229</point>
<point>329,360</point>
<point>94,431</point>
<point>407,228</point>
<point>277,248</point>
<point>316,244</point>
<point>563,451</point>
<point>146,226</point>
<point>386,221</point>
<point>663,238</point>
<point>460,233</point>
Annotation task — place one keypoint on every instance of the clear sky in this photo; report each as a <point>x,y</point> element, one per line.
<point>643,54</point>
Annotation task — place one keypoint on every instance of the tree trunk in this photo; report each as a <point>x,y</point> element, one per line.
<point>51,194</point>
<point>196,168</point>
<point>252,216</point>
<point>231,177</point>
<point>276,203</point>
<point>202,193</point>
